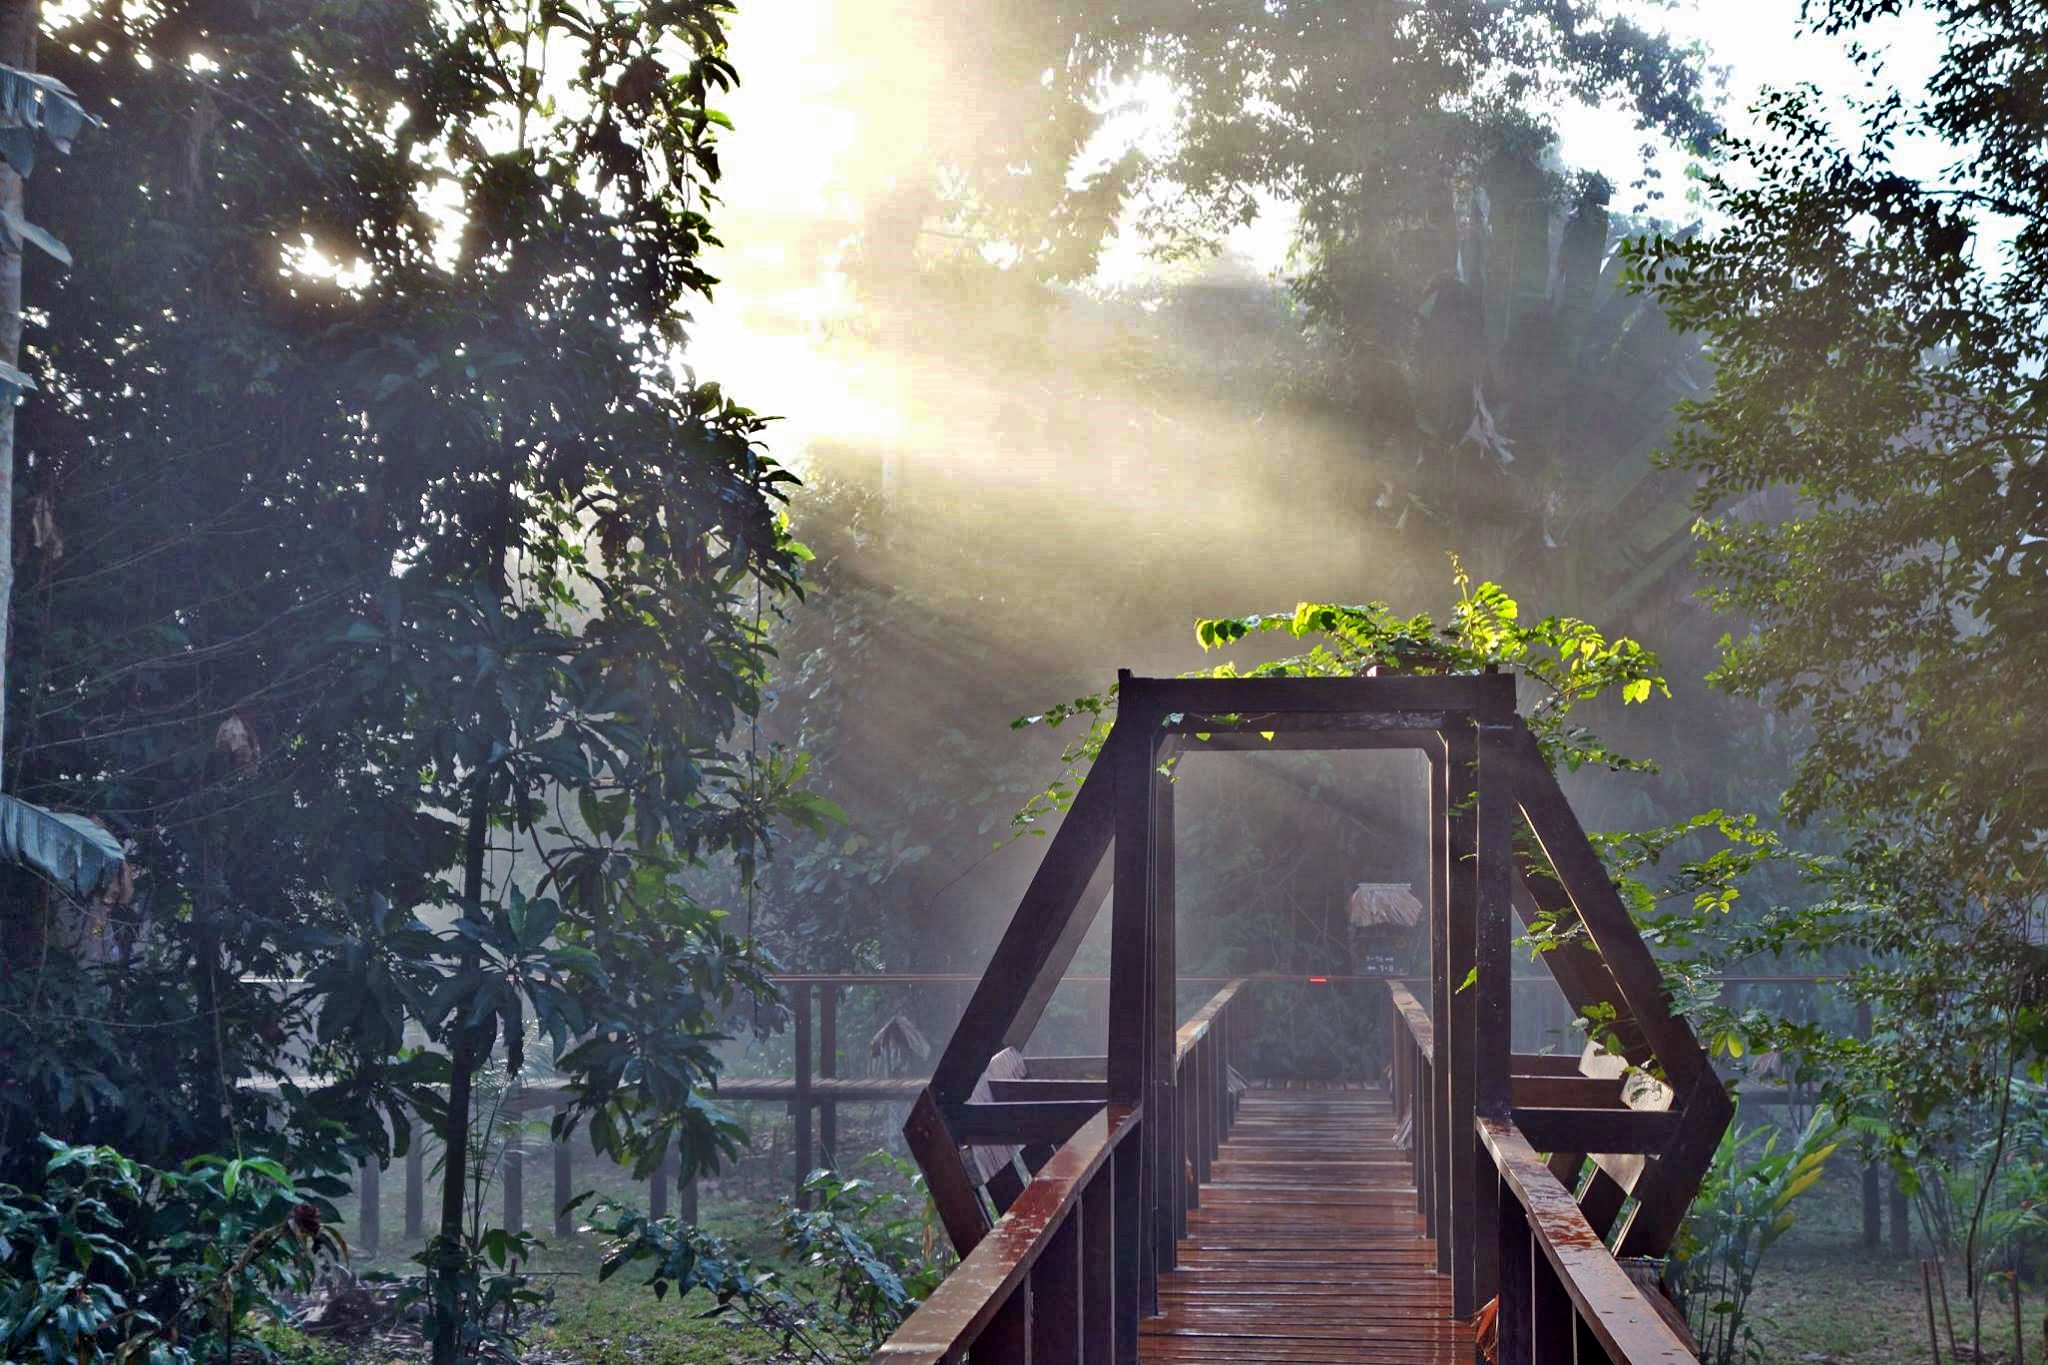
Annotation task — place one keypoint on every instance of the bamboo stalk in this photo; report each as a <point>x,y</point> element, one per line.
<point>1933,1337</point>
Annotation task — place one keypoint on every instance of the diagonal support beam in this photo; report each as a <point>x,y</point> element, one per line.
<point>1584,880</point>
<point>1580,972</point>
<point>1043,934</point>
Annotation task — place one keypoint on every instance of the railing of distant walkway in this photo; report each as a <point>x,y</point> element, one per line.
<point>816,1089</point>
<point>1059,1278</point>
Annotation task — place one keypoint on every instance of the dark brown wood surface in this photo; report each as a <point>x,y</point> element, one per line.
<point>1612,1307</point>
<point>970,1303</point>
<point>1307,1246</point>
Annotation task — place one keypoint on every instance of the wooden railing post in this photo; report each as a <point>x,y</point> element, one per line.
<point>1099,1302</point>
<point>1007,1340</point>
<point>1428,1126</point>
<point>1163,1104</point>
<point>1192,1098</point>
<point>1456,1030</point>
<point>369,1201</point>
<point>1212,1110</point>
<point>1873,1220</point>
<point>1058,1294</point>
<point>514,1180</point>
<point>1129,1242</point>
<point>1440,980</point>
<point>565,1188</point>
<point>1515,1321</point>
<point>416,1182</point>
<point>1553,1326</point>
<point>800,1107</point>
<point>828,1067</point>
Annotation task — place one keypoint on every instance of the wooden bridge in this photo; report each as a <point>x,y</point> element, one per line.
<point>1145,1205</point>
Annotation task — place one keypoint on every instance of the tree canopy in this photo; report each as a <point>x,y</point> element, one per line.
<point>391,588</point>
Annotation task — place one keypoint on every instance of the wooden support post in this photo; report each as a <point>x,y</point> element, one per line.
<point>686,1197</point>
<point>1006,1340</point>
<point>1553,1322</point>
<point>1097,1219</point>
<point>1127,1245</point>
<point>513,1177</point>
<point>1600,1201</point>
<point>1873,1212</point>
<point>369,1207</point>
<point>1127,758</point>
<point>657,1188</point>
<point>1493,985</point>
<point>565,1188</point>
<point>1170,1187</point>
<point>1047,929</point>
<point>1592,893</point>
<point>1455,1044</point>
<point>828,1066</point>
<point>1438,1135</point>
<point>937,1153</point>
<point>1518,1256</point>
<point>800,1107</point>
<point>1902,1226</point>
<point>1058,1296</point>
<point>416,1182</point>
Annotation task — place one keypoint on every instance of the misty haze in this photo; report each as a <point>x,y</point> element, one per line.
<point>1124,681</point>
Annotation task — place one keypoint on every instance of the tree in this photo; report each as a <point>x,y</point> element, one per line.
<point>394,588</point>
<point>1874,492</point>
<point>1870,452</point>
<point>1575,376</point>
<point>1451,329</point>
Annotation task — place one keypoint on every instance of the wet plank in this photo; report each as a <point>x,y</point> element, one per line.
<point>1307,1247</point>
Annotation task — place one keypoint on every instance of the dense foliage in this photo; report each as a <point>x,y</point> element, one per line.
<point>870,1252</point>
<point>1870,460</point>
<point>79,1282</point>
<point>393,591</point>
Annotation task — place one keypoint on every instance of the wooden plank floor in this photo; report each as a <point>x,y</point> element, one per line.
<point>1307,1246</point>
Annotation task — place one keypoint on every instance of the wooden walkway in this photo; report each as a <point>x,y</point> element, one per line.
<point>1308,1246</point>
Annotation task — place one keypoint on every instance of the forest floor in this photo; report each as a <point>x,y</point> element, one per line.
<point>1821,1297</point>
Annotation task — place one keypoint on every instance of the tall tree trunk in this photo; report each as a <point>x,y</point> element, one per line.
<point>463,1062</point>
<point>19,21</point>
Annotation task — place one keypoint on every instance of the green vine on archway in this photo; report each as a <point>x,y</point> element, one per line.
<point>1563,662</point>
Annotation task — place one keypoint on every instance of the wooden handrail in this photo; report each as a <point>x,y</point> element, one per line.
<point>1064,1274</point>
<point>1197,1026</point>
<point>968,1300</point>
<point>1411,1010</point>
<point>1611,1305</point>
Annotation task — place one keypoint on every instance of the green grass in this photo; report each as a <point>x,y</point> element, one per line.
<point>619,1321</point>
<point>1823,1299</point>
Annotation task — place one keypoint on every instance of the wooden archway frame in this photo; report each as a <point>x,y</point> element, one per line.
<point>1488,784</point>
